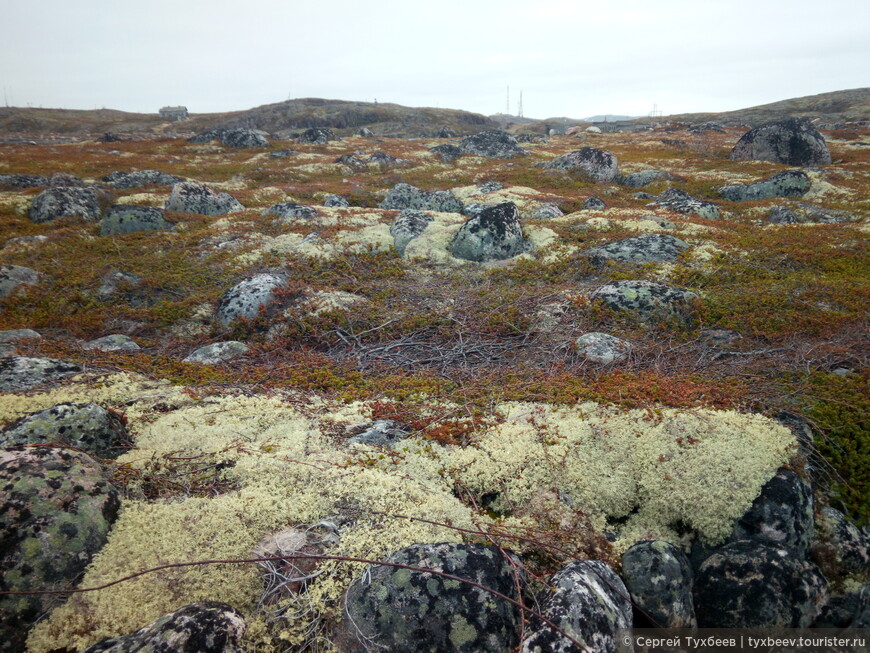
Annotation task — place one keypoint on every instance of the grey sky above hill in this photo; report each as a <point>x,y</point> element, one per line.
<point>568,58</point>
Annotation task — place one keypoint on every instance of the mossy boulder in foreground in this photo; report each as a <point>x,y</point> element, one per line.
<point>494,234</point>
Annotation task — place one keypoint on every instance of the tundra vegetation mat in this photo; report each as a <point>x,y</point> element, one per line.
<point>480,362</point>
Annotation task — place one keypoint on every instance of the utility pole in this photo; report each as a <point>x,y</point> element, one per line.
<point>507,108</point>
<point>520,106</point>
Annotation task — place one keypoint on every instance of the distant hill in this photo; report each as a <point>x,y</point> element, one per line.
<point>830,108</point>
<point>381,118</point>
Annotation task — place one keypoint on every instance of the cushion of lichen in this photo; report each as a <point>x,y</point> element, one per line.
<point>702,468</point>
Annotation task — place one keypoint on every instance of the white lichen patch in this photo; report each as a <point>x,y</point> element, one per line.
<point>15,202</point>
<point>322,301</point>
<point>375,238</point>
<point>144,199</point>
<point>324,168</point>
<point>701,468</point>
<point>821,189</point>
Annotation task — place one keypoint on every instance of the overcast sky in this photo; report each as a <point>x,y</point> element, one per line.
<point>568,58</point>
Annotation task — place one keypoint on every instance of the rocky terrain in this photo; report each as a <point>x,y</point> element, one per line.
<point>467,392</point>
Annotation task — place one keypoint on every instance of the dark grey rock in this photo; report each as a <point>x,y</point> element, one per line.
<point>246,299</point>
<point>782,515</point>
<point>473,210</point>
<point>489,187</point>
<point>53,203</point>
<point>708,126</point>
<point>203,627</point>
<point>206,136</point>
<point>353,162</point>
<point>23,181</point>
<point>282,154</point>
<point>290,210</point>
<point>645,177</point>
<point>602,348</point>
<point>65,179</point>
<point>588,601</point>
<point>659,578</point>
<point>405,196</point>
<point>243,138</point>
<point>643,196</point>
<point>447,152</point>
<point>365,132</point>
<point>597,165</point>
<point>648,300</point>
<point>317,136</point>
<point>782,215</point>
<point>139,178</point>
<point>409,611</point>
<point>789,183</point>
<point>446,132</point>
<point>114,280</point>
<point>114,342</point>
<point>17,335</point>
<point>748,584</point>
<point>593,204</point>
<point>649,248</point>
<point>88,427</point>
<point>385,161</point>
<point>407,226</point>
<point>792,141</point>
<point>494,234</point>
<point>22,373</point>
<point>546,212</point>
<point>844,546</point>
<point>380,433</point>
<point>14,277</point>
<point>57,507</point>
<point>217,352</point>
<point>128,218</point>
<point>532,138</point>
<point>811,213</point>
<point>680,201</point>
<point>851,610</point>
<point>335,200</point>
<point>193,197</point>
<point>493,143</point>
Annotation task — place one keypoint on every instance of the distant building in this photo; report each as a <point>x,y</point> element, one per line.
<point>174,113</point>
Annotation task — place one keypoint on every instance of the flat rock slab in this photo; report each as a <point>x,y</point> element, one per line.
<point>137,178</point>
<point>128,218</point>
<point>217,352</point>
<point>405,196</point>
<point>14,277</point>
<point>649,248</point>
<point>648,300</point>
<point>680,201</point>
<point>789,183</point>
<point>22,373</point>
<point>113,342</point>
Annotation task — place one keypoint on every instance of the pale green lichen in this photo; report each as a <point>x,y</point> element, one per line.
<point>699,468</point>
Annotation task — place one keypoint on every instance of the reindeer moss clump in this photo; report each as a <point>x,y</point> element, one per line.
<point>284,461</point>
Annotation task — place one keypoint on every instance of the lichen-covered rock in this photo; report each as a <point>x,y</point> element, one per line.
<point>335,200</point>
<point>492,143</point>
<point>446,152</point>
<point>649,248</point>
<point>406,227</point>
<point>353,162</point>
<point>446,132</point>
<point>792,141</point>
<point>494,234</point>
<point>782,515</point>
<point>748,584</point>
<point>680,201</point>
<point>850,610</point>
<point>603,348</point>
<point>843,545</point>
<point>405,196</point>
<point>385,161</point>
<point>645,177</point>
<point>246,299</point>
<point>593,204</point>
<point>113,342</point>
<point>590,603</point>
<point>53,203</point>
<point>365,132</point>
<point>206,136</point>
<point>203,627</point>
<point>22,373</point>
<point>243,138</point>
<point>23,181</point>
<point>659,578</point>
<point>128,219</point>
<point>59,179</point>
<point>114,280</point>
<point>290,210</point>
<point>16,335</point>
<point>647,300</point>
<point>489,187</point>
<point>193,197</point>
<point>217,352</point>
<point>789,183</point>
<point>14,277</point>
<point>88,427</point>
<point>57,507</point>
<point>401,610</point>
<point>812,213</point>
<point>782,215</point>
<point>599,166</point>
<point>547,212</point>
<point>317,136</point>
<point>122,180</point>
<point>380,433</point>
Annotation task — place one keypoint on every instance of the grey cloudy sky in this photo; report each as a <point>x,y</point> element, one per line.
<point>568,58</point>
